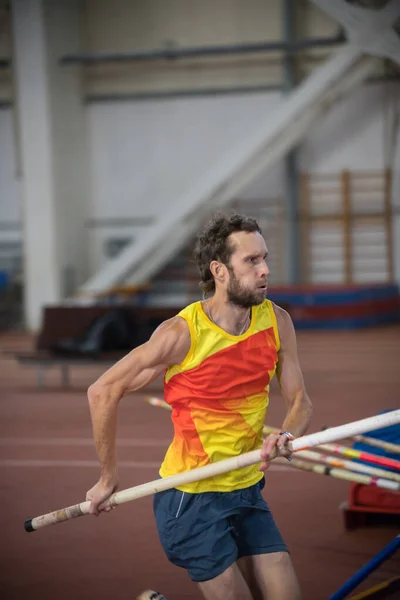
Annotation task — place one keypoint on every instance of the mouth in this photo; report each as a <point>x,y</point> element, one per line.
<point>263,288</point>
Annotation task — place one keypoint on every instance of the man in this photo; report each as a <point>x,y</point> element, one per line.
<point>218,357</point>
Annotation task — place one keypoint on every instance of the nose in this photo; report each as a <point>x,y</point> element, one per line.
<point>264,270</point>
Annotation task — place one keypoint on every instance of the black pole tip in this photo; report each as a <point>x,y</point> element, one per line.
<point>28,525</point>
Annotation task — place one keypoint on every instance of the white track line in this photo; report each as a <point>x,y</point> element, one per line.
<point>129,464</point>
<point>10,462</point>
<point>79,442</point>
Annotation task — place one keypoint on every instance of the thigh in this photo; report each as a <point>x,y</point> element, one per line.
<point>229,585</point>
<point>255,528</point>
<point>195,535</point>
<point>270,576</point>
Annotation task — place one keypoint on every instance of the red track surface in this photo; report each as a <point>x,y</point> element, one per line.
<point>349,376</point>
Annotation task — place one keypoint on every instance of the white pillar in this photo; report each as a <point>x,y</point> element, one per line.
<point>52,140</point>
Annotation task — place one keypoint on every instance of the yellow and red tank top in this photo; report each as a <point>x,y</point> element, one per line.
<point>219,396</point>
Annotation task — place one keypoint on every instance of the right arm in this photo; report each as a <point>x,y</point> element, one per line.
<point>168,345</point>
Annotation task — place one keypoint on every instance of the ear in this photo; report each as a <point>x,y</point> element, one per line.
<point>218,270</point>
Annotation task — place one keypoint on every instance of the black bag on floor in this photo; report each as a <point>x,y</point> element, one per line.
<point>112,332</point>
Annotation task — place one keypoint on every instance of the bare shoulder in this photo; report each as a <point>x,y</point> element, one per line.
<point>172,337</point>
<point>175,327</point>
<point>168,345</point>
<point>284,322</point>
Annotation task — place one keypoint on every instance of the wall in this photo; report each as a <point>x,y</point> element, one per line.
<point>351,136</point>
<point>139,150</point>
<point>9,186</point>
<point>69,142</point>
<point>10,194</point>
<point>51,138</point>
<point>142,152</point>
<point>5,52</point>
<point>68,133</point>
<point>355,135</point>
<point>127,25</point>
<point>124,26</point>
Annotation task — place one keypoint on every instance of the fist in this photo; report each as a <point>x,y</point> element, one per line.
<point>275,444</point>
<point>98,496</point>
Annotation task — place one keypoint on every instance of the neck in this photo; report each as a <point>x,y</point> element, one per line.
<point>229,317</point>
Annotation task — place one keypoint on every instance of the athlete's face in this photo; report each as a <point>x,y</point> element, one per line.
<point>248,270</point>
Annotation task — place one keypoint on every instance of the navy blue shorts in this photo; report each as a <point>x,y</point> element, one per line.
<point>206,533</point>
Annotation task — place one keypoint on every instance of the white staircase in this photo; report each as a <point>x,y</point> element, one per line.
<point>272,139</point>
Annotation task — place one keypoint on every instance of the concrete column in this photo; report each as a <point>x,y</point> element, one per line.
<point>291,180</point>
<point>52,149</point>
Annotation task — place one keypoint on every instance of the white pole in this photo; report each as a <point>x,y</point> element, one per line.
<point>223,466</point>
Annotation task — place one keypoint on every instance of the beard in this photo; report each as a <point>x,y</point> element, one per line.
<point>239,295</point>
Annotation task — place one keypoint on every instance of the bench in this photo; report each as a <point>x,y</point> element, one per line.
<point>60,322</point>
<point>43,360</point>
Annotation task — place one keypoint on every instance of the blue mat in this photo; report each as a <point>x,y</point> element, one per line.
<point>386,434</point>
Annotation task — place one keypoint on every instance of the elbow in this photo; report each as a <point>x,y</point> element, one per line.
<point>303,404</point>
<point>93,393</point>
<point>102,393</point>
<point>308,407</point>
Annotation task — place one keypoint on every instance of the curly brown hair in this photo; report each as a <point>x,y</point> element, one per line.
<point>212,244</point>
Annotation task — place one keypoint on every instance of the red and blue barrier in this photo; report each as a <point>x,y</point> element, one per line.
<point>339,306</point>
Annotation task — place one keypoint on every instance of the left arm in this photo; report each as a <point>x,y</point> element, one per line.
<point>290,378</point>
<point>291,382</point>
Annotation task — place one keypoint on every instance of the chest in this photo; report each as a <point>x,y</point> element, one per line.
<point>242,368</point>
